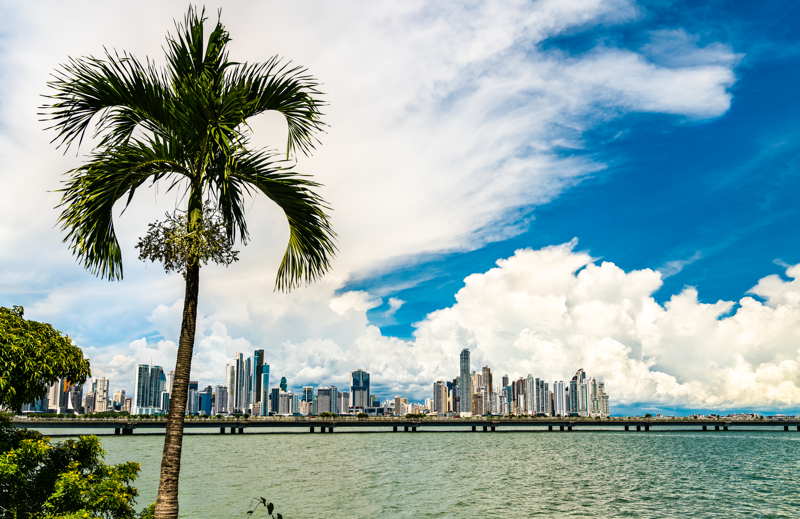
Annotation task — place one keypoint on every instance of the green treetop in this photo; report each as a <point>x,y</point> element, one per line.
<point>33,356</point>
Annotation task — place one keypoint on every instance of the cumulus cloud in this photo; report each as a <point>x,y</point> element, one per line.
<point>548,312</point>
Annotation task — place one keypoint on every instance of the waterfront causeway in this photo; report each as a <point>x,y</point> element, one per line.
<point>476,424</point>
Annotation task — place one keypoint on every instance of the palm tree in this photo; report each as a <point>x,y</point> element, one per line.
<point>186,125</point>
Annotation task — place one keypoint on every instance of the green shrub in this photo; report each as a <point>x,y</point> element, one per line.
<point>64,480</point>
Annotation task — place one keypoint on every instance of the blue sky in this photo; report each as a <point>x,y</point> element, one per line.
<point>553,184</point>
<point>718,194</point>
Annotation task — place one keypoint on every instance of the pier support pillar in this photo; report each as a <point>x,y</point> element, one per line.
<point>485,428</point>
<point>705,427</point>
<point>724,427</point>
<point>311,429</point>
<point>222,430</point>
<point>569,428</point>
<point>627,427</point>
<point>394,428</point>
<point>414,428</point>
<point>647,428</point>
<point>638,428</point>
<point>786,428</point>
<point>798,428</point>
<point>233,430</point>
<point>330,428</point>
<point>561,428</point>
<point>116,431</point>
<point>127,431</point>
<point>550,428</point>
<point>474,428</point>
<point>493,428</point>
<point>716,427</point>
<point>405,428</point>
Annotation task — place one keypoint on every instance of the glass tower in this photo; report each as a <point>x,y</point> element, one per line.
<point>360,389</point>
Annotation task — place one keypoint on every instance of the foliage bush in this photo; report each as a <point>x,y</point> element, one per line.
<point>64,480</point>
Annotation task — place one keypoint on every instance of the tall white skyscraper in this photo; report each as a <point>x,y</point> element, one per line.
<point>559,398</point>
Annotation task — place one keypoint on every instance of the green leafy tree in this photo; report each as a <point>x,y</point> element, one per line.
<point>187,126</point>
<point>33,356</point>
<point>40,479</point>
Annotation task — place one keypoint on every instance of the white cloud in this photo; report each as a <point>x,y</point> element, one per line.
<point>546,312</point>
<point>674,267</point>
<point>395,303</point>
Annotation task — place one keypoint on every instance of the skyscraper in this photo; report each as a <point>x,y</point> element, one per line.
<point>220,400</point>
<point>247,390</point>
<point>360,389</point>
<point>150,382</point>
<point>559,398</point>
<point>258,365</point>
<point>142,399</point>
<point>264,398</point>
<point>205,401</point>
<point>327,399</point>
<point>158,383</point>
<point>100,390</point>
<point>308,394</point>
<point>238,385</point>
<point>274,399</point>
<point>465,383</point>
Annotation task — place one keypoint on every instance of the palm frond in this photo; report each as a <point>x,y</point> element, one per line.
<point>90,193</point>
<point>280,86</point>
<point>125,92</point>
<point>312,241</point>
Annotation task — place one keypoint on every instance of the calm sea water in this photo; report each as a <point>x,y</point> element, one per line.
<point>462,474</point>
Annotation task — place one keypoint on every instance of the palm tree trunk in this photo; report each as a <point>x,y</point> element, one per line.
<point>167,500</point>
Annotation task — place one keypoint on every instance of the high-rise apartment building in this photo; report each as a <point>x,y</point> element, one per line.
<point>220,400</point>
<point>440,397</point>
<point>559,398</point>
<point>100,390</point>
<point>401,406</point>
<point>327,399</point>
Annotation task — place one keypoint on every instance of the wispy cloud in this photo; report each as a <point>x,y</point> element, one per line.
<point>674,267</point>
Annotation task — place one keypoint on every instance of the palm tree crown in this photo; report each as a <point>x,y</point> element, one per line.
<point>187,125</point>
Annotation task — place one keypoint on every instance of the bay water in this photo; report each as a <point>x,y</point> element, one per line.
<point>599,474</point>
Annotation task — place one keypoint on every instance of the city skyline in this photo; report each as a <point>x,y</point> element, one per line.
<point>472,392</point>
